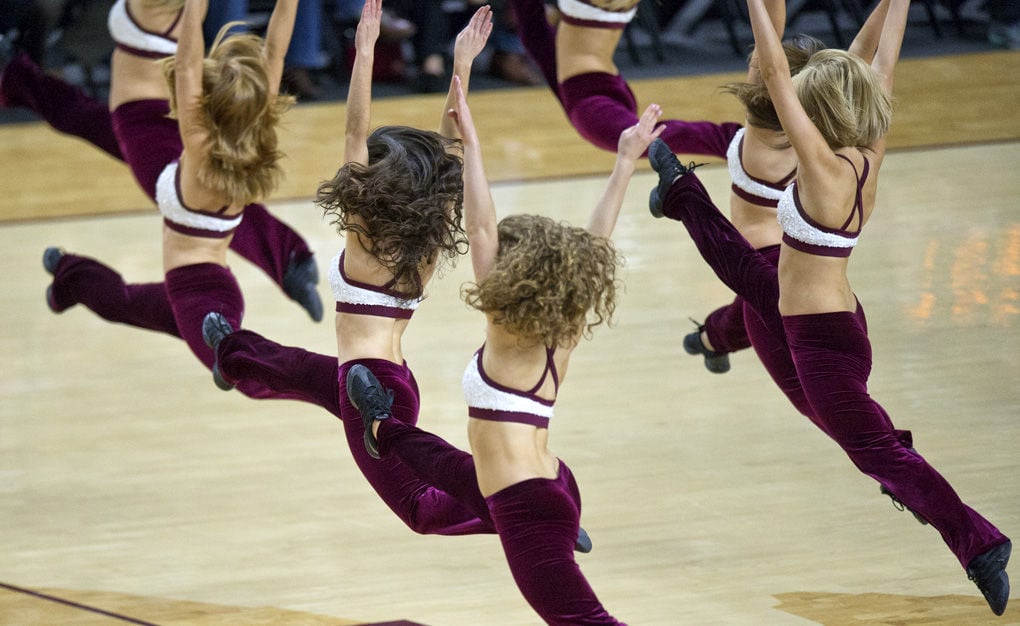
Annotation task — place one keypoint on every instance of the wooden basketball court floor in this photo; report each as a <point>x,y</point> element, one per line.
<point>132,490</point>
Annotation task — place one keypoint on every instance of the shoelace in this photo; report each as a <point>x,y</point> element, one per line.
<point>379,403</point>
<point>897,504</point>
<point>998,564</point>
<point>690,167</point>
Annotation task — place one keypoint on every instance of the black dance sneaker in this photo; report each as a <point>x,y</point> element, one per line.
<point>371,399</point>
<point>50,260</point>
<point>715,362</point>
<point>899,506</point>
<point>988,571</point>
<point>214,328</point>
<point>299,282</point>
<point>669,168</point>
<point>583,543</point>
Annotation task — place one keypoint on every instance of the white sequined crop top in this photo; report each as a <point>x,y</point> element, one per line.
<point>132,38</point>
<point>581,13</point>
<point>488,400</point>
<point>754,190</point>
<point>182,219</point>
<point>800,232</point>
<point>364,299</point>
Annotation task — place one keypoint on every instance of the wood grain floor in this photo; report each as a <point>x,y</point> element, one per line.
<point>940,101</point>
<point>129,484</point>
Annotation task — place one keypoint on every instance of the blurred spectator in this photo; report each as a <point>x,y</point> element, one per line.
<point>305,54</point>
<point>1004,23</point>
<point>28,24</point>
<point>509,60</point>
<point>425,23</point>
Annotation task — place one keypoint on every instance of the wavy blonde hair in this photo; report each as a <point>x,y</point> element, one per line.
<point>408,202</point>
<point>240,113</point>
<point>845,99</point>
<point>552,283</point>
<point>761,113</point>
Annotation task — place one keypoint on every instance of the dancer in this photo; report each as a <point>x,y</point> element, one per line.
<point>147,139</point>
<point>542,286</point>
<point>227,107</point>
<point>836,114</point>
<point>576,59</point>
<point>398,199</point>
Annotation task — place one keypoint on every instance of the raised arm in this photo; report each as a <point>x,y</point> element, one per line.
<point>278,34</point>
<point>777,14</point>
<point>188,74</point>
<point>807,141</point>
<point>632,144</point>
<point>888,53</point>
<point>479,210</point>
<point>359,96</point>
<point>469,43</point>
<point>865,43</point>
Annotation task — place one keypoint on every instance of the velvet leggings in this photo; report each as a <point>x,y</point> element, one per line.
<point>831,356</point>
<point>600,106</point>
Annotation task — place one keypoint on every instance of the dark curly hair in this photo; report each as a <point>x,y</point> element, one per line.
<point>408,201</point>
<point>761,113</point>
<point>552,282</point>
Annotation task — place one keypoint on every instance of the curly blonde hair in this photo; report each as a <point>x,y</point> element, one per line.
<point>845,99</point>
<point>552,283</point>
<point>239,113</point>
<point>409,201</point>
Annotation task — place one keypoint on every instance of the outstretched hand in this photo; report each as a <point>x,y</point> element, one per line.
<point>636,139</point>
<point>472,39</point>
<point>461,115</point>
<point>368,26</point>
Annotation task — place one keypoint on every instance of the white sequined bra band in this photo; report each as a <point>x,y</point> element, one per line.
<point>132,38</point>
<point>754,191</point>
<point>364,299</point>
<point>582,13</point>
<point>488,402</point>
<point>188,221</point>
<point>808,237</point>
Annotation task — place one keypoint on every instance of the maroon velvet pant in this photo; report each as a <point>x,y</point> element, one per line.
<point>537,521</point>
<point>601,106</point>
<point>831,356</point>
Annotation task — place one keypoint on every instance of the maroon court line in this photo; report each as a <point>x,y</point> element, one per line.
<point>76,605</point>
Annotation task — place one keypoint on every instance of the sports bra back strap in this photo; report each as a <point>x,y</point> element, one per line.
<point>789,177</point>
<point>550,366</point>
<point>173,24</point>
<point>858,208</point>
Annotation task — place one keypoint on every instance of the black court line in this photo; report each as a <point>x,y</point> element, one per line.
<point>84,607</point>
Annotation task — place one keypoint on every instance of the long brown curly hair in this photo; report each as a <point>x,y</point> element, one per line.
<point>761,113</point>
<point>409,201</point>
<point>552,283</point>
<point>239,113</point>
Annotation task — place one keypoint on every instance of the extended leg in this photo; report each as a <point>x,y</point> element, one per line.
<point>423,507</point>
<point>538,522</point>
<point>78,279</point>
